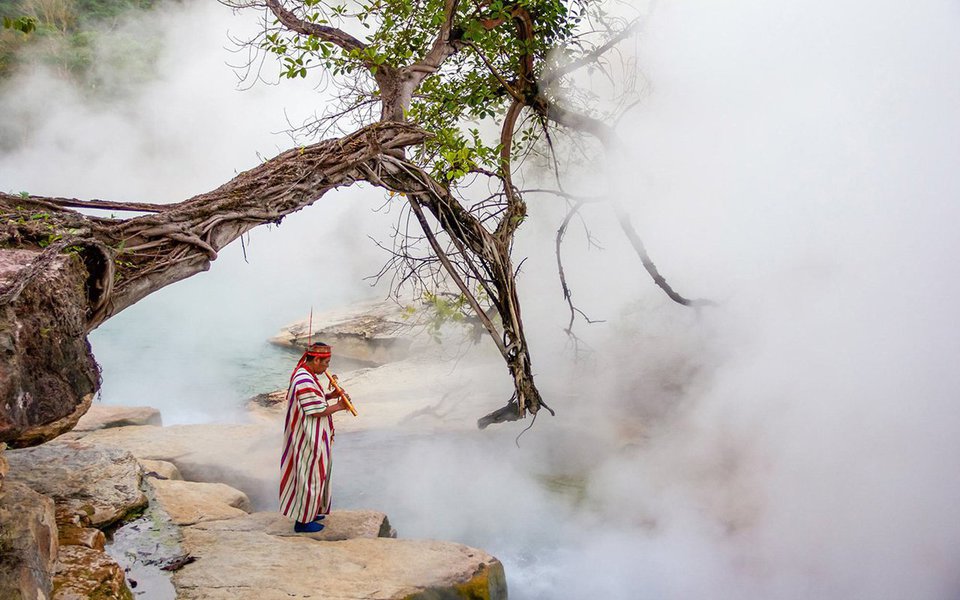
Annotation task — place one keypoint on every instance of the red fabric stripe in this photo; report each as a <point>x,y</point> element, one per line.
<point>323,467</point>
<point>295,460</point>
<point>289,428</point>
<point>307,390</point>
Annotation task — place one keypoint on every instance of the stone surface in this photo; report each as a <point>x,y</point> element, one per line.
<point>160,469</point>
<point>44,431</point>
<point>28,543</point>
<point>87,574</point>
<point>340,525</point>
<point>242,456</point>
<point>372,333</point>
<point>71,535</point>
<point>101,481</point>
<point>47,371</point>
<point>100,416</point>
<point>254,565</point>
<point>189,502</point>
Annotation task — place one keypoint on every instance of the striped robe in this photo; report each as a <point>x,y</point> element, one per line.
<point>305,463</point>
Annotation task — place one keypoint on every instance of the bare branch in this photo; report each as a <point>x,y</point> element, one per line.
<point>591,57</point>
<point>487,323</point>
<point>330,34</point>
<point>106,205</point>
<point>624,219</point>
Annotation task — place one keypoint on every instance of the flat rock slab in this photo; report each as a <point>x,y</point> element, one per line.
<point>372,333</point>
<point>339,525</point>
<point>72,535</point>
<point>254,565</point>
<point>101,416</point>
<point>207,452</point>
<point>101,481</point>
<point>189,502</point>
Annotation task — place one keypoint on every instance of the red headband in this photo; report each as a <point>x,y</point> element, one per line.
<point>319,351</point>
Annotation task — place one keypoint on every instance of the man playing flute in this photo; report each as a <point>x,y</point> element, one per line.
<point>305,464</point>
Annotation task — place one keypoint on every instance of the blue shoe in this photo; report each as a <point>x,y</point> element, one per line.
<point>311,527</point>
<point>319,518</point>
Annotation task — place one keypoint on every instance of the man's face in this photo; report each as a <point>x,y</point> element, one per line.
<point>318,365</point>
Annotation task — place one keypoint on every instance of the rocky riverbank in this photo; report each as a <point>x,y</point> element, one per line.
<point>113,513</point>
<point>123,507</point>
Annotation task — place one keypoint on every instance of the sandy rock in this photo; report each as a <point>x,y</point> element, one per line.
<point>100,416</point>
<point>28,543</point>
<point>189,502</point>
<point>340,525</point>
<point>372,333</point>
<point>208,452</point>
<point>71,535</point>
<point>160,469</point>
<point>83,573</point>
<point>254,565</point>
<point>101,481</point>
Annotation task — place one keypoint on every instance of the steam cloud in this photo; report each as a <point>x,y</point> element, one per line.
<point>796,162</point>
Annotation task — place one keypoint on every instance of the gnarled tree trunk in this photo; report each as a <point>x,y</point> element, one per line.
<point>62,273</point>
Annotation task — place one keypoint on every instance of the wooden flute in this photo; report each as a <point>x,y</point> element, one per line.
<point>343,394</point>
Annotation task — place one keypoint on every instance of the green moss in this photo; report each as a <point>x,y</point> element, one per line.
<point>488,583</point>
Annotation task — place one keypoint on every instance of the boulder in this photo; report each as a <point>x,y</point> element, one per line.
<point>254,565</point>
<point>101,481</point>
<point>339,525</point>
<point>28,543</point>
<point>83,573</point>
<point>100,416</point>
<point>72,535</point>
<point>160,469</point>
<point>371,333</point>
<point>41,432</point>
<point>47,371</point>
<point>189,502</point>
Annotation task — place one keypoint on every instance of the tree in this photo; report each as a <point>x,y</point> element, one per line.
<point>432,68</point>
